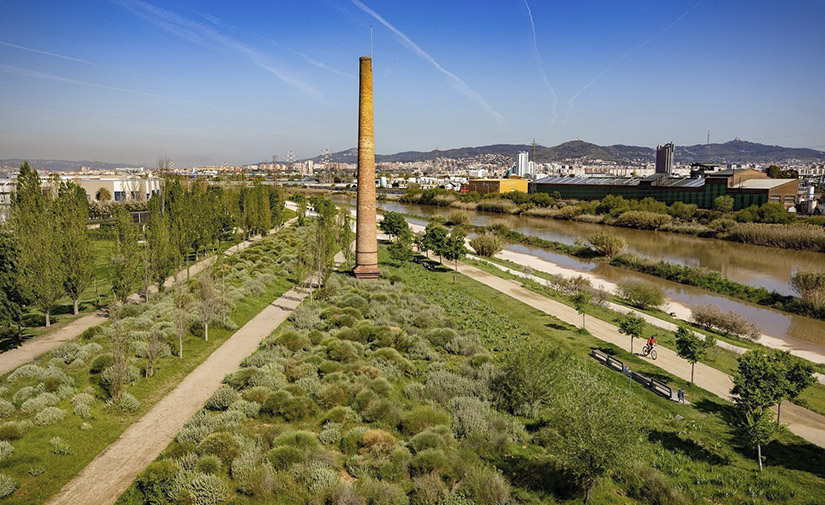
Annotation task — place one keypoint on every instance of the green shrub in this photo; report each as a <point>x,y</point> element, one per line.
<point>421,418</point>
<point>24,394</point>
<point>642,219</point>
<point>7,485</point>
<point>428,489</point>
<point>333,394</point>
<point>439,337</point>
<point>281,458</point>
<point>641,294</point>
<point>49,415</point>
<point>209,464</point>
<point>222,444</point>
<point>11,430</point>
<point>351,440</point>
<point>469,415</point>
<point>381,493</point>
<point>101,363</point>
<point>385,413</point>
<point>222,398</point>
<point>257,394</point>
<point>156,481</point>
<point>429,460</point>
<point>293,340</point>
<point>487,244</point>
<point>66,352</point>
<point>342,415</point>
<point>645,483</point>
<point>249,409</point>
<point>608,243</point>
<point>485,486</point>
<point>298,408</point>
<point>305,441</point>
<point>331,434</point>
<point>275,401</point>
<point>355,301</point>
<point>427,440</point>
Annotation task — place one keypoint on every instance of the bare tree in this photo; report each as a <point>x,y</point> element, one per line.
<point>182,317</point>
<point>210,305</point>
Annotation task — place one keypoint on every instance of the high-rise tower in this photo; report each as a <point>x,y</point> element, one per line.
<point>366,241</point>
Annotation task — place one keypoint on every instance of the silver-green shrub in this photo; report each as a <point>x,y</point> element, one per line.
<point>469,415</point>
<point>249,409</point>
<point>24,394</point>
<point>7,485</point>
<point>26,372</point>
<point>49,415</point>
<point>82,410</point>
<point>66,352</point>
<point>6,449</point>
<point>208,489</point>
<point>6,408</point>
<point>222,398</point>
<point>128,403</point>
<point>38,403</point>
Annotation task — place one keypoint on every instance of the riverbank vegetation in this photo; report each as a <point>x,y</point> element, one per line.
<point>769,224</point>
<point>402,392</point>
<point>59,411</point>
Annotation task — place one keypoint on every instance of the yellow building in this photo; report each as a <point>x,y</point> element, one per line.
<point>485,186</point>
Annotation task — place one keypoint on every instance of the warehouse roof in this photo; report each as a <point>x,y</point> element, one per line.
<point>659,180</point>
<point>764,183</point>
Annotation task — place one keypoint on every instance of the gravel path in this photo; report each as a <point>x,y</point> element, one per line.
<point>107,476</point>
<point>42,344</point>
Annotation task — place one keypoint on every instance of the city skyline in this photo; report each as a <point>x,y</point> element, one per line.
<point>132,81</point>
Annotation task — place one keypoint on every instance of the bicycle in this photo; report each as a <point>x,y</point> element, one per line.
<point>648,350</point>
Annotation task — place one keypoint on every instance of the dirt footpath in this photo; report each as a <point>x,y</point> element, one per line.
<point>803,422</point>
<point>107,476</point>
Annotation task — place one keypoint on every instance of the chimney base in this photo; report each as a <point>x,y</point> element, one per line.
<point>366,272</point>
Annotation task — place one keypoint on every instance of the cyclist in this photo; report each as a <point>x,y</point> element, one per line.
<point>651,342</point>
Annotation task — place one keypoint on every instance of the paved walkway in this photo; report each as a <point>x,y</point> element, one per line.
<point>804,423</point>
<point>107,476</point>
<point>42,344</point>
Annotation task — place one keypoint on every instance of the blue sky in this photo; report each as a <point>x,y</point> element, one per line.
<point>207,81</point>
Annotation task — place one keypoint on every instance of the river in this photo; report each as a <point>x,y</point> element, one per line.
<point>749,264</point>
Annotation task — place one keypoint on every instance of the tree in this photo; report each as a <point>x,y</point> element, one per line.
<point>799,376</point>
<point>454,248</point>
<point>72,215</point>
<point>773,171</point>
<point>395,226</point>
<point>103,195</point>
<point>528,379</point>
<point>210,305</point>
<point>756,425</point>
<point>691,347</point>
<point>117,373</point>
<point>435,239</point>
<point>125,258</point>
<point>161,253</point>
<point>632,326</point>
<point>12,294</point>
<point>723,203</point>
<point>581,301</point>
<point>33,223</point>
<point>600,436</point>
<point>761,380</point>
<point>641,294</point>
<point>345,235</point>
<point>301,202</point>
<point>608,244</point>
<point>400,251</point>
<point>182,301</point>
<point>326,244</point>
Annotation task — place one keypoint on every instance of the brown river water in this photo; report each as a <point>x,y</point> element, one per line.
<point>749,264</point>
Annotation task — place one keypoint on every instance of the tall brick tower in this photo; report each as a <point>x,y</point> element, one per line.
<point>366,242</point>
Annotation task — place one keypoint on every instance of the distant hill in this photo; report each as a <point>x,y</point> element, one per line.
<point>735,151</point>
<point>65,165</point>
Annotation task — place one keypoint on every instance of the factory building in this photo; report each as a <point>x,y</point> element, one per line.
<point>486,186</point>
<point>746,186</point>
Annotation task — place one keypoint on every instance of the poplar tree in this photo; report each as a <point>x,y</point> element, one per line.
<point>125,258</point>
<point>12,295</point>
<point>161,253</point>
<point>33,224</point>
<point>72,215</point>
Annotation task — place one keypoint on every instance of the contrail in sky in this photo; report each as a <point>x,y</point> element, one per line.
<point>25,72</point>
<point>85,117</point>
<point>207,36</point>
<point>572,102</point>
<point>458,83</point>
<point>541,64</point>
<point>313,61</point>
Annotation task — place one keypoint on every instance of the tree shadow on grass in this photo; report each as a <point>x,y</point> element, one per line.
<point>538,476</point>
<point>674,443</point>
<point>557,326</point>
<point>9,339</point>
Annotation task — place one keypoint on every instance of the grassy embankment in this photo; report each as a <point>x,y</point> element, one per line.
<point>721,359</point>
<point>386,393</point>
<point>38,466</point>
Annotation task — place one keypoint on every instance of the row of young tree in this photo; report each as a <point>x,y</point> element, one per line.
<point>46,252</point>
<point>436,238</point>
